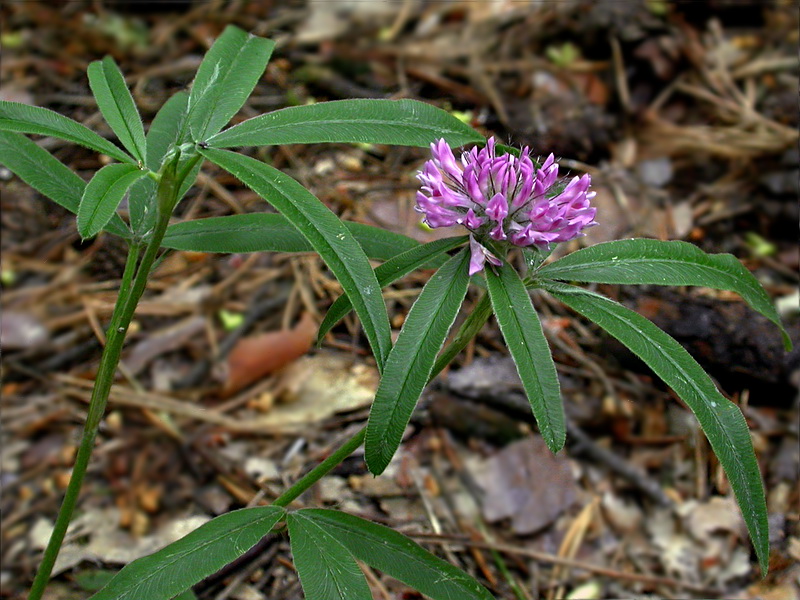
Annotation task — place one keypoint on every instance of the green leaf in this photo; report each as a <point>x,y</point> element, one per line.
<point>327,235</point>
<point>226,77</point>
<point>721,420</point>
<point>411,360</point>
<point>41,170</point>
<point>326,568</point>
<point>102,196</point>
<point>180,565</point>
<point>398,556</point>
<point>400,122</point>
<point>268,232</point>
<point>93,579</point>
<point>395,268</point>
<point>525,339</point>
<point>143,206</point>
<point>164,132</point>
<point>117,106</point>
<point>653,262</point>
<point>378,243</point>
<point>471,326</point>
<point>41,121</point>
<point>48,175</point>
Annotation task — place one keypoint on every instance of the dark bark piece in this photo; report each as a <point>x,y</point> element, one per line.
<point>735,345</point>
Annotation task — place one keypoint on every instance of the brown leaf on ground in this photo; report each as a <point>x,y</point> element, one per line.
<point>257,356</point>
<point>527,482</point>
<point>316,387</point>
<point>21,330</point>
<point>166,340</point>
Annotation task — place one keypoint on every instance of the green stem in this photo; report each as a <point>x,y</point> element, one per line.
<point>469,329</point>
<point>134,250</point>
<point>131,289</point>
<point>321,469</point>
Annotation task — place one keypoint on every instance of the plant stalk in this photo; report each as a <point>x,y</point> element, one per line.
<point>322,469</point>
<point>131,289</point>
<point>469,329</point>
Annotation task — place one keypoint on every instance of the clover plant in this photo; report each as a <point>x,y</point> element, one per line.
<point>501,196</point>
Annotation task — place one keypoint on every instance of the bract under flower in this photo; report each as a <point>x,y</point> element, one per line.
<point>503,198</point>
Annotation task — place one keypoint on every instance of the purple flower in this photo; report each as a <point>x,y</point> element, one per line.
<point>502,200</point>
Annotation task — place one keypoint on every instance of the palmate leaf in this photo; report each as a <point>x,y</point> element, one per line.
<point>178,566</point>
<point>395,268</point>
<point>117,106</point>
<point>48,175</point>
<point>398,122</point>
<point>397,556</point>
<point>525,339</point>
<point>654,262</point>
<point>326,568</point>
<point>102,196</point>
<point>226,77</point>
<point>165,129</point>
<point>270,232</point>
<point>327,235</point>
<point>411,360</point>
<point>22,118</point>
<point>721,420</point>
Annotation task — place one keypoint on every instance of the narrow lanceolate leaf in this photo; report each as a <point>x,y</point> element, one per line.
<point>398,556</point>
<point>399,122</point>
<point>653,262</point>
<point>102,196</point>
<point>117,106</point>
<point>326,234</point>
<point>180,565</point>
<point>379,243</point>
<point>164,132</point>
<point>525,339</point>
<point>392,270</point>
<point>326,568</point>
<point>48,175</point>
<point>721,420</point>
<point>269,232</point>
<point>411,360</point>
<point>226,77</point>
<point>41,121</point>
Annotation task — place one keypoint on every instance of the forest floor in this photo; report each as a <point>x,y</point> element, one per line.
<point>685,115</point>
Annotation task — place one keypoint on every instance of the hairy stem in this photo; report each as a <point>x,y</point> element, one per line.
<point>131,289</point>
<point>321,469</point>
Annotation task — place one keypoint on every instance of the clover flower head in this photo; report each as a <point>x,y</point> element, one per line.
<point>505,199</point>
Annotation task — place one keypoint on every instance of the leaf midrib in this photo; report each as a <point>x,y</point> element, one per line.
<point>297,209</point>
<point>690,381</point>
<point>545,405</point>
<point>395,407</point>
<point>196,548</point>
<point>109,188</point>
<point>121,97</point>
<point>370,538</point>
<point>323,555</point>
<point>345,268</point>
<point>561,272</point>
<point>65,134</point>
<point>216,90</point>
<point>274,128</point>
